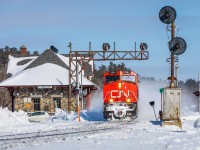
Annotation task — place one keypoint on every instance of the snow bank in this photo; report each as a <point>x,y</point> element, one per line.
<point>9,118</point>
<point>62,116</point>
<point>188,119</point>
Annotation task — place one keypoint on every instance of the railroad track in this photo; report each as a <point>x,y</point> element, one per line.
<point>89,129</point>
<point>51,134</point>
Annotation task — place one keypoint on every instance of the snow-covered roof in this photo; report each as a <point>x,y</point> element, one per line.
<point>44,74</point>
<point>13,66</point>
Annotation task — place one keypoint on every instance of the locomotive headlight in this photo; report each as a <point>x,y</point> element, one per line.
<point>110,100</point>
<point>119,85</point>
<point>128,100</point>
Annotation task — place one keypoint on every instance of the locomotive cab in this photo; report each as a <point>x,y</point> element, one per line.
<point>120,94</point>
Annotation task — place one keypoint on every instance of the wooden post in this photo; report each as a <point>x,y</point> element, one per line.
<point>70,77</point>
<point>11,90</point>
<point>172,59</point>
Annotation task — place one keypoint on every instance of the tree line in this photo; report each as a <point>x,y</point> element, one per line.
<point>4,52</point>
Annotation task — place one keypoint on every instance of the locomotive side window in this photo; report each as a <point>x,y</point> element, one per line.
<point>128,78</point>
<point>111,78</point>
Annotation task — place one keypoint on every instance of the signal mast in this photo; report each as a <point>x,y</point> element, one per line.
<point>172,94</point>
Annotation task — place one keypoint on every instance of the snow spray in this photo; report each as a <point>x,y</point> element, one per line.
<point>96,103</point>
<point>96,107</point>
<point>149,91</point>
<point>189,102</point>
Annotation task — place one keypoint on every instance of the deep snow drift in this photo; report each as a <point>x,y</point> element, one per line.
<point>63,116</point>
<point>8,118</point>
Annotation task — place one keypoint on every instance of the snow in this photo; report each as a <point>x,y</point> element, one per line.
<point>9,119</point>
<point>149,91</point>
<point>53,75</point>
<point>49,74</point>
<point>13,68</point>
<point>66,60</point>
<point>64,116</point>
<point>63,131</point>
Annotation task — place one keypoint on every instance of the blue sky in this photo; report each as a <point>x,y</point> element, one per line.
<point>41,23</point>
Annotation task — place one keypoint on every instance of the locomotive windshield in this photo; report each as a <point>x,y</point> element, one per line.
<point>128,78</point>
<point>111,78</point>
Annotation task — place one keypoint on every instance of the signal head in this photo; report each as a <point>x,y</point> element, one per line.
<point>143,46</point>
<point>177,46</point>
<point>167,14</point>
<point>105,46</point>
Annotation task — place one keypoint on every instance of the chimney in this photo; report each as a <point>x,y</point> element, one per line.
<point>23,50</point>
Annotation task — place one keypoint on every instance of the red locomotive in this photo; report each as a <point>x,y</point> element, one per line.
<point>121,94</point>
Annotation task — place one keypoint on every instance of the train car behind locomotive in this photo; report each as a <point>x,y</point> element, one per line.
<point>121,94</point>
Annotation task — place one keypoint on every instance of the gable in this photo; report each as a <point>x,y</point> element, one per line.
<point>48,56</point>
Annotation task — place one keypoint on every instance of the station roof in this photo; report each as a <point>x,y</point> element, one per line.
<point>48,69</point>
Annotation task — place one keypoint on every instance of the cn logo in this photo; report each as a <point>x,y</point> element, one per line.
<point>118,93</point>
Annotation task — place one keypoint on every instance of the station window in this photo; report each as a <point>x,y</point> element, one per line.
<point>57,102</point>
<point>36,102</point>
